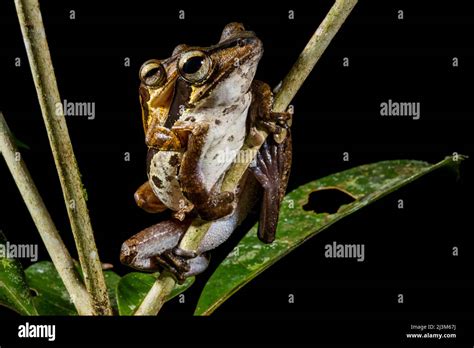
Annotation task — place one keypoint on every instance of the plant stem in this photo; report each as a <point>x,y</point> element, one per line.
<point>154,300</point>
<point>34,37</point>
<point>290,85</point>
<point>312,52</point>
<point>46,228</point>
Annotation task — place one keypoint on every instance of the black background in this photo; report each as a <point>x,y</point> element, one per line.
<point>338,109</point>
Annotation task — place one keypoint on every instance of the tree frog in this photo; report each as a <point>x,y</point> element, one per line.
<point>199,107</point>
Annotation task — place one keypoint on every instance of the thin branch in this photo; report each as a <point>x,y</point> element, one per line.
<point>34,37</point>
<point>290,85</point>
<point>51,238</point>
<point>315,48</point>
<point>155,298</point>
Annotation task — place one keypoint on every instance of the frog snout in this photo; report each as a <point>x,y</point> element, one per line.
<point>252,41</point>
<point>249,40</point>
<point>126,254</point>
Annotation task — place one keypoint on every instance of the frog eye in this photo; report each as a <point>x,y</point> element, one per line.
<point>152,73</point>
<point>195,66</point>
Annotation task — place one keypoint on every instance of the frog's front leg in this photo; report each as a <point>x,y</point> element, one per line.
<point>211,205</point>
<point>147,200</point>
<point>262,116</point>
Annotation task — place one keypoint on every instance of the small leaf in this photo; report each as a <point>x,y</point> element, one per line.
<point>14,291</point>
<point>133,287</point>
<point>52,297</point>
<point>250,257</point>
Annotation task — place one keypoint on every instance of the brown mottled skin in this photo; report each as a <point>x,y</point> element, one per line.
<point>160,107</point>
<point>272,172</point>
<point>211,205</point>
<point>273,166</point>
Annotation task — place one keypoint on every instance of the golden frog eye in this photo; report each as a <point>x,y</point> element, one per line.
<point>195,66</point>
<point>152,73</point>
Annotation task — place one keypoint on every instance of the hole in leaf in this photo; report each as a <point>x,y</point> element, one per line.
<point>327,200</point>
<point>33,292</point>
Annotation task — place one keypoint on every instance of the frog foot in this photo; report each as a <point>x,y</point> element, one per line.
<point>186,210</point>
<point>277,124</point>
<point>183,264</point>
<point>177,265</point>
<point>217,206</point>
<point>273,163</point>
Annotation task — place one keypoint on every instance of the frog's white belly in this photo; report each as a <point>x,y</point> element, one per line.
<point>220,154</point>
<point>226,135</point>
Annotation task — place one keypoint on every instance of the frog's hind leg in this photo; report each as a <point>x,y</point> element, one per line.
<point>140,250</point>
<point>147,200</point>
<point>272,171</point>
<point>181,267</point>
<point>197,265</point>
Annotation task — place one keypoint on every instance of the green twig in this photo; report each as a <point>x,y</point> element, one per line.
<point>34,37</point>
<point>290,85</point>
<point>51,238</point>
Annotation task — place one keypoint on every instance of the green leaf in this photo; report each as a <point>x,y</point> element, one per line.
<point>14,291</point>
<point>52,297</point>
<point>250,257</point>
<point>133,287</point>
<point>111,280</point>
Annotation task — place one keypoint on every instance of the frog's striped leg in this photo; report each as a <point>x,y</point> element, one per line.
<point>141,250</point>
